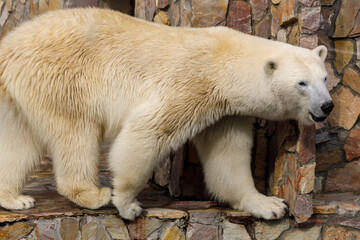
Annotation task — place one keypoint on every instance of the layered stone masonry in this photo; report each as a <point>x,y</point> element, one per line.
<point>338,140</point>
<point>284,153</point>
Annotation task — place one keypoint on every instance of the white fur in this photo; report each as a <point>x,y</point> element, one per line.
<point>72,79</point>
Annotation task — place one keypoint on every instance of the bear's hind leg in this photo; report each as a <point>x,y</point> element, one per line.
<point>19,154</point>
<point>225,152</point>
<point>76,157</point>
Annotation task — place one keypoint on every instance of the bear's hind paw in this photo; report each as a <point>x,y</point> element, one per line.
<point>17,203</point>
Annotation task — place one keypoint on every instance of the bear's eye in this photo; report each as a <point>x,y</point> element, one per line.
<point>325,79</point>
<point>303,84</point>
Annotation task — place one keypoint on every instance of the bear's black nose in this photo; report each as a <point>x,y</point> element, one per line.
<point>327,107</point>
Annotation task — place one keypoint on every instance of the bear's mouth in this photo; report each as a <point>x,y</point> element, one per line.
<point>318,119</point>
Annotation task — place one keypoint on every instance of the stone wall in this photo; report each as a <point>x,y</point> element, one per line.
<point>338,140</point>
<point>284,153</point>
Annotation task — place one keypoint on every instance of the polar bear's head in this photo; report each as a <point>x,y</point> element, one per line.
<point>298,80</point>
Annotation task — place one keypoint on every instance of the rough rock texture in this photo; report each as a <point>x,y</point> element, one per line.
<point>258,8</point>
<point>201,16</point>
<point>68,228</point>
<point>309,21</point>
<point>345,21</point>
<point>15,231</point>
<point>344,179</point>
<point>346,110</point>
<point>271,230</point>
<point>234,231</point>
<point>305,178</point>
<point>286,12</point>
<point>344,52</point>
<point>325,159</point>
<point>239,17</point>
<point>352,145</point>
<point>352,79</point>
<point>340,233</point>
<point>332,80</point>
<point>173,233</point>
<point>303,208</point>
<point>199,231</point>
<point>312,233</point>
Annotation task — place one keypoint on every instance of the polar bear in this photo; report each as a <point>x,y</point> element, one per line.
<point>73,79</point>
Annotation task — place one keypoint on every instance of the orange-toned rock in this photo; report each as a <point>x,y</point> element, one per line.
<point>345,20</point>
<point>305,178</point>
<point>325,209</point>
<point>279,171</point>
<point>344,52</point>
<point>352,145</point>
<point>340,233</point>
<point>294,36</point>
<point>286,12</point>
<point>201,17</point>
<point>344,179</point>
<point>346,110</point>
<point>15,231</point>
<point>352,79</point>
<point>173,233</point>
<point>162,18</point>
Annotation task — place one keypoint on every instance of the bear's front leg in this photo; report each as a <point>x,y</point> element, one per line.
<point>133,157</point>
<point>225,152</point>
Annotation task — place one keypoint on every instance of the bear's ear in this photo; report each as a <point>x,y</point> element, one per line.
<point>270,66</point>
<point>321,51</point>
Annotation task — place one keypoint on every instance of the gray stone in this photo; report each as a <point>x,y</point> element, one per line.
<point>208,217</point>
<point>233,231</point>
<point>358,48</point>
<point>281,35</point>
<point>174,14</point>
<point>93,231</point>
<point>271,230</point>
<point>45,229</point>
<point>258,8</point>
<point>309,20</point>
<point>199,231</point>
<point>309,41</point>
<point>303,233</point>
<point>303,208</point>
<point>318,184</point>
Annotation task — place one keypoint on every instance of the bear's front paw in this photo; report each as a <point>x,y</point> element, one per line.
<point>127,210</point>
<point>262,206</point>
<point>17,203</point>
